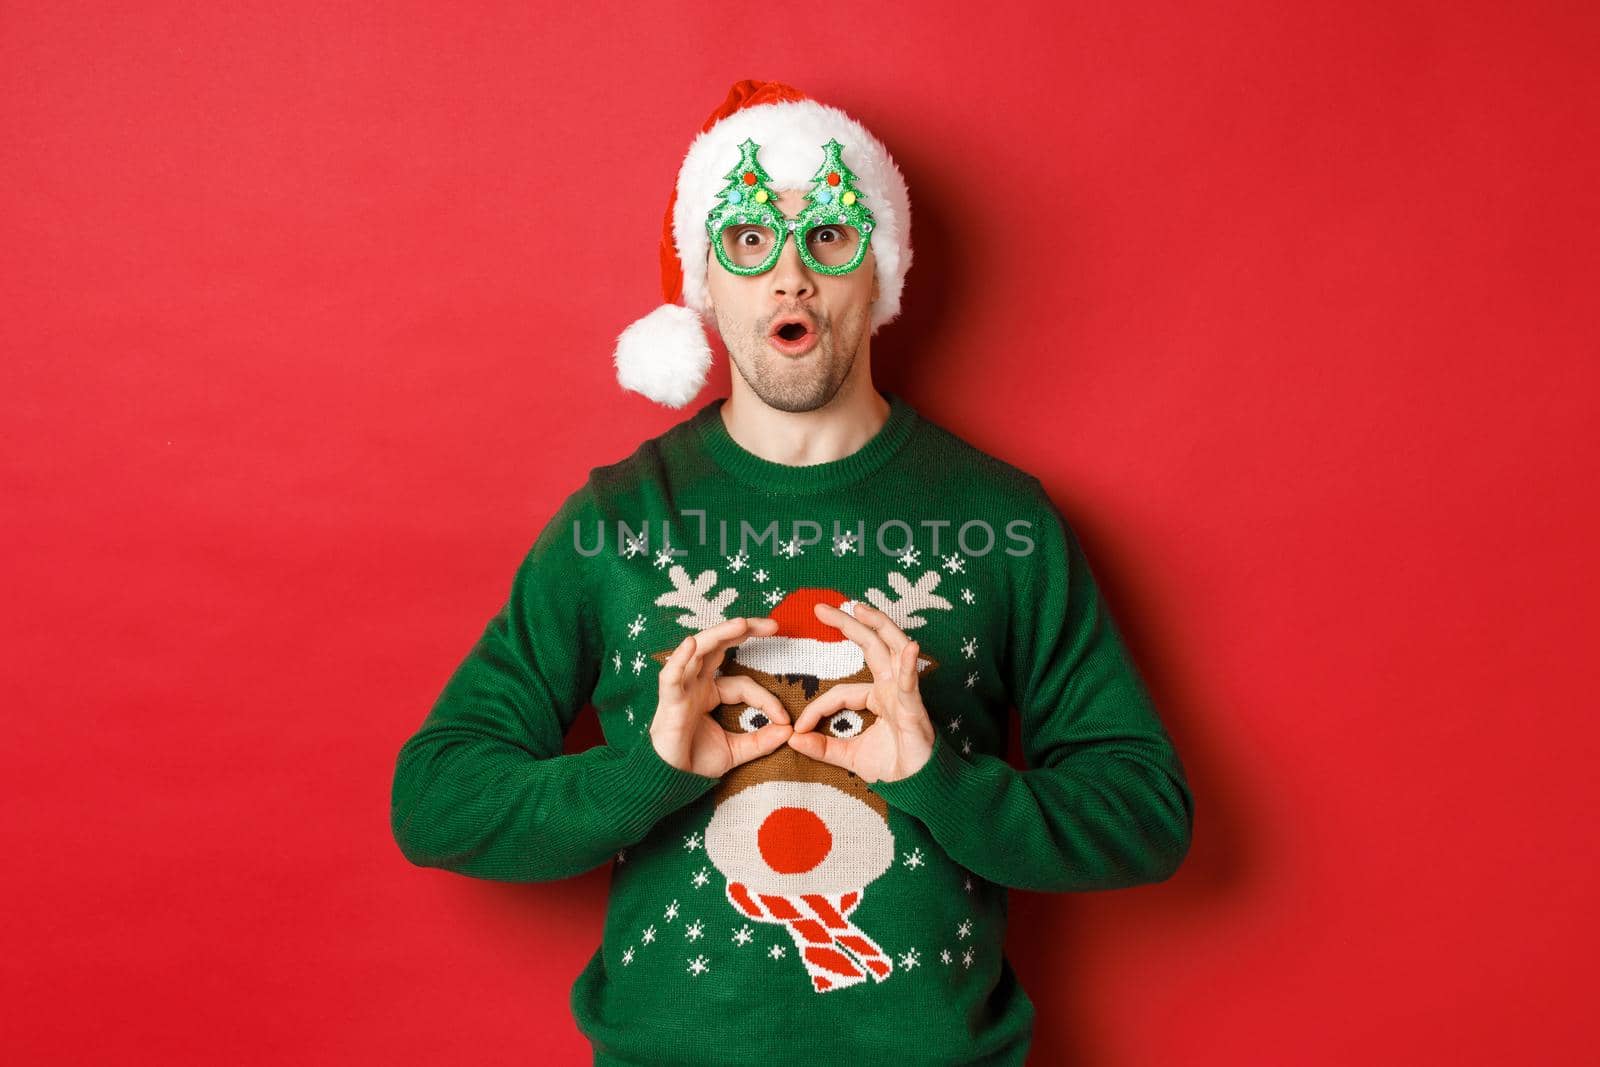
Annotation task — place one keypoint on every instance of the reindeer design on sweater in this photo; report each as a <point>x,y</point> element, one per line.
<point>798,839</point>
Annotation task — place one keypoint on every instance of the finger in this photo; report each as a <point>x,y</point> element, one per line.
<point>762,623</point>
<point>713,640</point>
<point>849,695</point>
<point>745,747</point>
<point>710,664</point>
<point>885,626</point>
<point>897,641</point>
<point>827,749</point>
<point>908,667</point>
<point>877,652</point>
<point>709,645</point>
<point>755,627</point>
<point>742,689</point>
<point>670,681</point>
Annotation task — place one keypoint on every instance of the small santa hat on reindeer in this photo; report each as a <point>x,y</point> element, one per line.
<point>804,644</point>
<point>665,355</point>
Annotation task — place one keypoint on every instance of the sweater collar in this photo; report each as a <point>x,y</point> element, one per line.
<point>774,477</point>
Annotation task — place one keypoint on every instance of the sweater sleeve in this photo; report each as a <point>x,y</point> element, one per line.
<point>1104,803</point>
<point>482,787</point>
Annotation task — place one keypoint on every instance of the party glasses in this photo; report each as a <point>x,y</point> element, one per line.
<point>747,230</point>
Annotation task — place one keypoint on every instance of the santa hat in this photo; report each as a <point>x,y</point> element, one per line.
<point>665,355</point>
<point>804,644</point>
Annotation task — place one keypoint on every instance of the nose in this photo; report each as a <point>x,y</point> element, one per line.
<point>790,278</point>
<point>793,840</point>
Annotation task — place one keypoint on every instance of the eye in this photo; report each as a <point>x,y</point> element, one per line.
<point>752,719</point>
<point>846,723</point>
<point>828,234</point>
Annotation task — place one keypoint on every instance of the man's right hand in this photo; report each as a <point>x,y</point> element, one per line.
<point>683,732</point>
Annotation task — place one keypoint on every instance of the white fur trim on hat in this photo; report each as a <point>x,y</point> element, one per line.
<point>665,355</point>
<point>791,134</point>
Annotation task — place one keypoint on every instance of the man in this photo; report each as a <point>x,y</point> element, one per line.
<point>802,616</point>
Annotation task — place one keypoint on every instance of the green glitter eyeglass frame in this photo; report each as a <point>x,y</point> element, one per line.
<point>749,201</point>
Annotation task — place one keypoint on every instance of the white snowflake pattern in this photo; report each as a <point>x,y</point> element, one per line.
<point>967,597</point>
<point>672,911</point>
<point>966,883</point>
<point>966,746</point>
<point>692,842</point>
<point>699,965</point>
<point>629,710</point>
<point>694,931</point>
<point>914,859</point>
<point>909,557</point>
<point>964,931</point>
<point>738,561</point>
<point>664,558</point>
<point>972,679</point>
<point>776,952</point>
<point>760,574</point>
<point>844,544</point>
<point>944,956</point>
<point>632,546</point>
<point>636,626</point>
<point>969,647</point>
<point>909,958</point>
<point>953,563</point>
<point>616,661</point>
<point>743,935</point>
<point>638,662</point>
<point>772,596</point>
<point>622,855</point>
<point>791,547</point>
<point>955,724</point>
<point>701,877</point>
<point>967,957</point>
<point>627,956</point>
<point>648,936</point>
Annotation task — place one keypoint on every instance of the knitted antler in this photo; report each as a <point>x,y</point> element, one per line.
<point>912,598</point>
<point>703,610</point>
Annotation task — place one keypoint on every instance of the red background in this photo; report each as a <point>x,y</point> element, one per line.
<point>307,326</point>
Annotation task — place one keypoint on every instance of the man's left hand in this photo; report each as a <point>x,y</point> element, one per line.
<point>900,741</point>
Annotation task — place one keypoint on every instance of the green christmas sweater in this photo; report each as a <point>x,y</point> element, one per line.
<point>789,912</point>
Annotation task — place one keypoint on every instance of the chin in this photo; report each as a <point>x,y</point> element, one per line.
<point>797,395</point>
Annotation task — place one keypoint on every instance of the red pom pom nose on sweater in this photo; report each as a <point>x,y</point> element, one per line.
<point>793,840</point>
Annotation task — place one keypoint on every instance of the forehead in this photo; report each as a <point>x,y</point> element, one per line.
<point>791,201</point>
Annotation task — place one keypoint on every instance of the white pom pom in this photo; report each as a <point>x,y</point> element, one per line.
<point>664,356</point>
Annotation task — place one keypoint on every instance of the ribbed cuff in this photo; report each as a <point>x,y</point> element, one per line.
<point>645,788</point>
<point>933,792</point>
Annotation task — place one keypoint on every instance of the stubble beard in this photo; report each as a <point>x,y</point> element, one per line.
<point>794,383</point>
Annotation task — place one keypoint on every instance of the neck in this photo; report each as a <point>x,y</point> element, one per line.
<point>801,438</point>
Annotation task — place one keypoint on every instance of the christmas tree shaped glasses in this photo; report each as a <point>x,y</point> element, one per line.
<point>747,230</point>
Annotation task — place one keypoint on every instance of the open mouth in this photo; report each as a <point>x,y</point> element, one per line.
<point>793,334</point>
